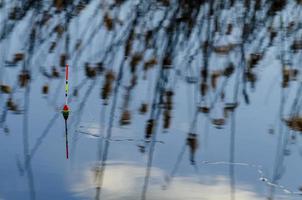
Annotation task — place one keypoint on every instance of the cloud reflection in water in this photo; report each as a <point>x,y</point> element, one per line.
<point>125,180</point>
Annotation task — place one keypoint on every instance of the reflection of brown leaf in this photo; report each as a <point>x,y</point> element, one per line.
<point>90,72</point>
<point>11,105</point>
<point>214,78</point>
<point>297,45</point>
<point>16,13</point>
<point>143,108</point>
<point>164,2</point>
<point>167,119</point>
<point>18,57</point>
<point>125,118</point>
<point>54,72</point>
<point>100,67</point>
<point>218,122</point>
<point>204,109</point>
<point>107,88</point>
<point>229,29</point>
<point>254,59</point>
<point>59,4</point>
<point>81,6</point>
<point>59,29</point>
<point>45,89</point>
<point>224,49</point>
<point>203,88</point>
<point>150,63</point>
<point>192,142</point>
<point>230,106</point>
<point>108,21</point>
<point>169,100</point>
<point>135,61</point>
<point>24,78</point>
<point>5,89</point>
<point>293,74</point>
<point>294,123</point>
<point>288,74</point>
<point>149,128</point>
<point>110,76</point>
<point>169,93</point>
<point>63,59</point>
<point>229,70</point>
<point>251,77</point>
<point>167,61</point>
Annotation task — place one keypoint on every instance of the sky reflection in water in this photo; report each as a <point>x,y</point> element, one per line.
<point>158,90</point>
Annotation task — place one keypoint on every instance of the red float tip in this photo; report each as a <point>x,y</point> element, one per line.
<point>65,108</point>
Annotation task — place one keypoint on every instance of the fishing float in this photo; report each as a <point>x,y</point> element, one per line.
<point>65,110</point>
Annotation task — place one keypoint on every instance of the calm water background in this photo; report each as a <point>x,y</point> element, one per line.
<point>220,81</point>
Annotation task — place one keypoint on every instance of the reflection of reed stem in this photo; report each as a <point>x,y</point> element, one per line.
<point>40,139</point>
<point>78,116</point>
<point>280,148</point>
<point>100,174</point>
<point>232,155</point>
<point>155,114</point>
<point>27,161</point>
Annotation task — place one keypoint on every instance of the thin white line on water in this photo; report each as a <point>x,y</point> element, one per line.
<point>260,172</point>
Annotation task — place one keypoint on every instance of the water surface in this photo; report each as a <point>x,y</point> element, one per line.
<point>169,100</point>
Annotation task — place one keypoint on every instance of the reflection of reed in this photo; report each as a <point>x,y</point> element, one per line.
<point>78,116</point>
<point>233,129</point>
<point>26,153</point>
<point>180,24</point>
<point>295,108</point>
<point>26,84</point>
<point>3,117</point>
<point>155,114</point>
<point>154,117</point>
<point>38,143</point>
<point>100,173</point>
<point>278,169</point>
<point>232,155</point>
<point>169,178</point>
<point>191,142</point>
<point>41,138</point>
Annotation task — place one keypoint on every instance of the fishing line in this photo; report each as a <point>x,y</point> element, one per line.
<point>259,170</point>
<point>118,140</point>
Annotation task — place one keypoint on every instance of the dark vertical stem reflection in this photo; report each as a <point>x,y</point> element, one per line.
<point>40,139</point>
<point>155,114</point>
<point>232,155</point>
<point>78,117</point>
<point>27,160</point>
<point>100,173</point>
<point>279,158</point>
<point>233,132</point>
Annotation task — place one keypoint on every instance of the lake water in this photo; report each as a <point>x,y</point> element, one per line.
<point>168,100</point>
